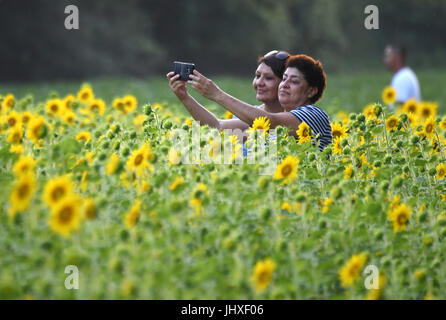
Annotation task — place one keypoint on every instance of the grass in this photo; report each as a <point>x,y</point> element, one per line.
<point>348,92</point>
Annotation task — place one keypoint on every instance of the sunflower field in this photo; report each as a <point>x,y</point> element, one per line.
<point>96,185</point>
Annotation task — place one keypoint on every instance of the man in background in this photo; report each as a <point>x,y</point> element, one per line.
<point>404,81</point>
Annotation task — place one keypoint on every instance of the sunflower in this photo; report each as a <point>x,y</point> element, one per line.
<point>85,94</point>
<point>369,112</point>
<point>22,194</point>
<point>429,127</point>
<point>37,129</point>
<point>303,133</point>
<point>24,165</point>
<point>348,171</point>
<point>89,208</point>
<point>441,171</point>
<point>132,216</point>
<point>26,116</point>
<point>138,160</point>
<point>13,119</point>
<point>8,102</point>
<point>97,105</point>
<point>68,101</point>
<point>261,123</point>
<point>337,148</point>
<point>65,216</point>
<point>119,105</point>
<point>130,103</point>
<point>16,148</point>
<point>56,189</point>
<point>337,130</point>
<point>389,95</point>
<point>410,106</point>
<point>112,164</point>
<point>427,110</point>
<point>176,183</point>
<point>228,115</point>
<point>287,169</point>
<point>83,136</point>
<point>352,269</point>
<point>15,135</point>
<point>400,216</point>
<point>54,107</point>
<point>263,274</point>
<point>69,117</point>
<point>392,123</point>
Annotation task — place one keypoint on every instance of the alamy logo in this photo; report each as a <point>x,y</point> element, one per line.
<point>72,20</point>
<point>72,281</point>
<point>371,22</point>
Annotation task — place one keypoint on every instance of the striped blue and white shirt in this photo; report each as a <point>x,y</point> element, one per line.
<point>318,121</point>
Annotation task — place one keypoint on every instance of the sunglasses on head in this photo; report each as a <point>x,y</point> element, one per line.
<point>280,55</point>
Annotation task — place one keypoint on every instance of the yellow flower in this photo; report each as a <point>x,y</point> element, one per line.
<point>15,135</point>
<point>7,103</point>
<point>36,129</point>
<point>261,123</point>
<point>83,136</point>
<point>138,160</point>
<point>119,105</point>
<point>16,148</point>
<point>389,95</point>
<point>303,133</point>
<point>24,165</point>
<point>177,182</point>
<point>337,148</point>
<point>67,101</point>
<point>97,105</point>
<point>263,274</point>
<point>338,131</point>
<point>441,171</point>
<point>352,269</point>
<point>173,157</point>
<point>286,206</point>
<point>392,123</point>
<point>369,112</point>
<point>69,117</point>
<point>228,115</point>
<point>54,107</point>
<point>56,189</point>
<point>287,169</point>
<point>85,94</point>
<point>65,216</point>
<point>112,164</point>
<point>89,208</point>
<point>138,120</point>
<point>13,119</point>
<point>399,216</point>
<point>130,103</point>
<point>411,106</point>
<point>132,216</point>
<point>427,110</point>
<point>26,116</point>
<point>22,194</point>
<point>429,127</point>
<point>348,172</point>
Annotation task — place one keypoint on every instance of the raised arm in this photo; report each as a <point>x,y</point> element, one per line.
<point>242,110</point>
<point>197,111</point>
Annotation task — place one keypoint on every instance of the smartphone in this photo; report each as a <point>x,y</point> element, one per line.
<point>184,69</point>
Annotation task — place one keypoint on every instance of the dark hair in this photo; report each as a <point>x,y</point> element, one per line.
<point>278,66</point>
<point>400,49</point>
<point>313,72</point>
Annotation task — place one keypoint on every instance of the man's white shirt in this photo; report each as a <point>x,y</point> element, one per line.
<point>406,84</point>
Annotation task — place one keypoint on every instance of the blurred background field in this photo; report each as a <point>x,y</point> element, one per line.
<point>347,92</point>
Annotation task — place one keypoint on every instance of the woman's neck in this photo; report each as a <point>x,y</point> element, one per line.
<point>273,107</point>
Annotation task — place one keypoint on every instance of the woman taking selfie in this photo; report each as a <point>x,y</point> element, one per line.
<point>266,81</point>
<point>303,84</point>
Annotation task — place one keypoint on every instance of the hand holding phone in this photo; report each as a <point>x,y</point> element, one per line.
<point>184,69</point>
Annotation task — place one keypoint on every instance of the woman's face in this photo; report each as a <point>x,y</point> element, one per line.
<point>265,84</point>
<point>294,90</point>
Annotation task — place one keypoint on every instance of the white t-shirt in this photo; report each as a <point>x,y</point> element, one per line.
<point>406,84</point>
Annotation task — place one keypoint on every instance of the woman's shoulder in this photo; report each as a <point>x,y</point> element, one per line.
<point>312,109</point>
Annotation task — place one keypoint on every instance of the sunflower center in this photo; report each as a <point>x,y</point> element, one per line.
<point>12,122</point>
<point>23,191</point>
<point>65,214</point>
<point>94,107</point>
<point>85,96</point>
<point>401,219</point>
<point>336,133</point>
<point>441,172</point>
<point>57,193</point>
<point>138,159</point>
<point>286,170</point>
<point>429,128</point>
<point>392,123</point>
<point>426,113</point>
<point>54,108</point>
<point>305,132</point>
<point>263,276</point>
